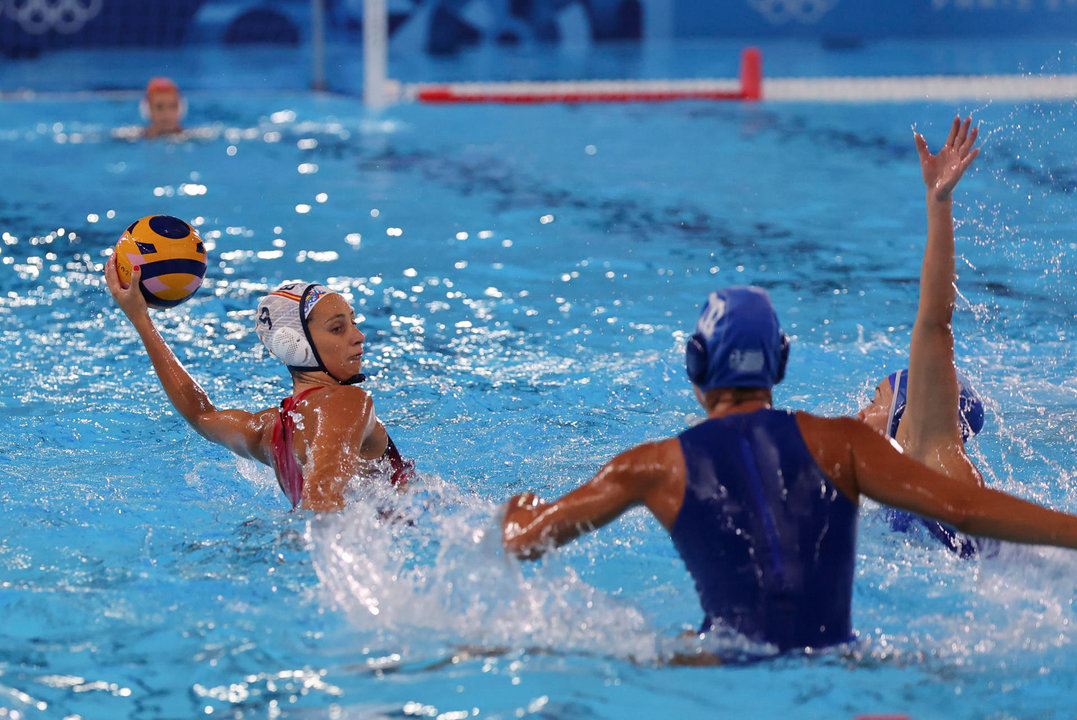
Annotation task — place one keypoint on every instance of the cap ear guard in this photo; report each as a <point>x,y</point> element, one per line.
<point>783,360</point>
<point>291,347</point>
<point>695,359</point>
<point>282,330</point>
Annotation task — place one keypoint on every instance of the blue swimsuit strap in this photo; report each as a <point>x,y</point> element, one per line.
<point>899,383</point>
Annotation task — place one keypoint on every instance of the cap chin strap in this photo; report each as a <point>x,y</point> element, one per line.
<point>354,379</point>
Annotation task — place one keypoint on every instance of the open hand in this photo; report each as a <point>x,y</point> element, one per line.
<point>943,170</point>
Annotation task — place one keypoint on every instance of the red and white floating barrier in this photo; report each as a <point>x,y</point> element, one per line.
<point>748,87</point>
<point>751,86</point>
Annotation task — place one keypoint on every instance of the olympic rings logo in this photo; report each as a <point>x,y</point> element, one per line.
<point>37,17</point>
<point>779,12</point>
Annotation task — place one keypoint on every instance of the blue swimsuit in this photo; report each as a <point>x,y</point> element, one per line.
<point>902,520</point>
<point>961,545</point>
<point>768,539</point>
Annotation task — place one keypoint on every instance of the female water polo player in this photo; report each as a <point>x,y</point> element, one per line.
<point>929,408</point>
<point>163,108</point>
<point>322,436</point>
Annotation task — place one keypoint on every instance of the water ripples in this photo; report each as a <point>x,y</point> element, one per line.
<point>526,317</point>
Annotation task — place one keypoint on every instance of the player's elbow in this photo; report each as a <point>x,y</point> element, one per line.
<point>202,424</point>
<point>957,515</point>
<point>957,518</point>
<point>936,325</point>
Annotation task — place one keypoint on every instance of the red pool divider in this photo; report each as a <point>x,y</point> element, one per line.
<point>751,74</point>
<point>750,88</point>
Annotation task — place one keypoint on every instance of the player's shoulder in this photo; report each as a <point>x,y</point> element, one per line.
<point>840,426</point>
<point>344,401</point>
<point>650,457</point>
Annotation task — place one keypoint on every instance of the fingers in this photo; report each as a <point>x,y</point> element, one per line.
<point>119,289</point>
<point>962,137</point>
<point>921,147</point>
<point>955,128</point>
<point>969,141</point>
<point>128,296</point>
<point>519,512</point>
<point>963,133</point>
<point>967,160</point>
<point>112,276</point>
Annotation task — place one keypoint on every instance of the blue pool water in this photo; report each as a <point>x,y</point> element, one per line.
<point>526,277</point>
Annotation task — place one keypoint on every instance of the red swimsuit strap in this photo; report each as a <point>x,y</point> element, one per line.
<point>289,474</point>
<point>289,403</point>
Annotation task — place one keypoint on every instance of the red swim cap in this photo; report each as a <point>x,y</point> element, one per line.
<point>161,84</point>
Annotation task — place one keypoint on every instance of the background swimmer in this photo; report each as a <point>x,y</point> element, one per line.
<point>163,108</point>
<point>761,504</point>
<point>326,433</point>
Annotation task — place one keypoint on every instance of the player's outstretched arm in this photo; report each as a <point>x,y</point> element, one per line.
<point>237,430</point>
<point>636,477</point>
<point>931,415</point>
<point>860,460</point>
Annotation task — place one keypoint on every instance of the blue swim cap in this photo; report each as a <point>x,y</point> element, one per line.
<point>737,342</point>
<point>969,405</point>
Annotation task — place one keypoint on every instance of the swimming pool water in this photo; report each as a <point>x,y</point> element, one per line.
<point>526,278</point>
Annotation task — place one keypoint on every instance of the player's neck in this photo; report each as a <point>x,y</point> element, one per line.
<point>732,401</point>
<point>306,380</point>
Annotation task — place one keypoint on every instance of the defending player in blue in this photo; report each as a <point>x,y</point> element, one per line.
<point>762,503</point>
<point>929,408</point>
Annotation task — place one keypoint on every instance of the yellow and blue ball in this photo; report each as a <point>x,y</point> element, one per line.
<point>171,255</point>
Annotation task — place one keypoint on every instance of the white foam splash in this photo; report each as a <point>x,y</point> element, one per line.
<point>432,569</point>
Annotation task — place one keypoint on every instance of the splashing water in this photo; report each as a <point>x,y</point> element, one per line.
<point>529,312</point>
<point>431,570</point>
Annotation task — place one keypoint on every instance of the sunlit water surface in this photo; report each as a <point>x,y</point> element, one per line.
<point>526,278</point>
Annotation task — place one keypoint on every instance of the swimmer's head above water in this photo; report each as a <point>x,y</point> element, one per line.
<point>886,408</point>
<point>311,328</point>
<point>737,343</point>
<point>163,107</point>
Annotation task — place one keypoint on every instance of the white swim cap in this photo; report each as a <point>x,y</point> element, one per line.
<point>281,324</point>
